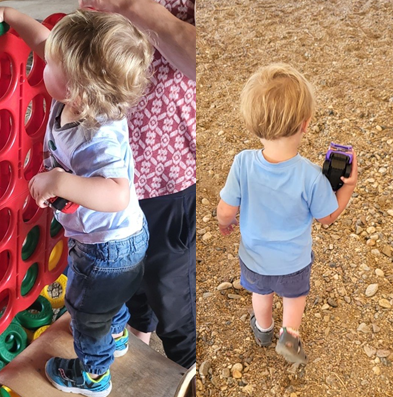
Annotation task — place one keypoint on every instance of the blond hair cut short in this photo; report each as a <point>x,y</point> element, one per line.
<point>275,101</point>
<point>105,60</point>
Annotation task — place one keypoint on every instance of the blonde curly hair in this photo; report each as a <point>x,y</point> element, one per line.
<point>106,62</point>
<point>276,100</point>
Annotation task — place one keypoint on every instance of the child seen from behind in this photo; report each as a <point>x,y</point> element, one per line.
<point>278,193</point>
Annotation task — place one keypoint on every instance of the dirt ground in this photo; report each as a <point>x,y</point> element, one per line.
<point>345,48</point>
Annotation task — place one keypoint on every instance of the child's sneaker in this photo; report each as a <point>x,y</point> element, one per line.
<point>262,338</point>
<point>69,376</point>
<point>121,344</point>
<point>290,347</point>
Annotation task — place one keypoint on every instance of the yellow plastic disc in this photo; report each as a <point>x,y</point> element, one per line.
<point>56,300</point>
<point>39,331</point>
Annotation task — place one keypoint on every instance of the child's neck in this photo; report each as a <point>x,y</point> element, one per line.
<point>68,115</point>
<point>282,149</point>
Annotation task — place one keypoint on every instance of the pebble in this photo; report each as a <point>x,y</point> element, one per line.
<point>234,296</point>
<point>225,373</point>
<point>236,284</point>
<point>207,236</point>
<point>332,302</point>
<point>371,290</point>
<point>225,285</point>
<point>369,350</point>
<point>377,370</point>
<point>207,218</point>
<point>207,295</point>
<point>375,252</point>
<point>364,328</point>
<point>384,303</point>
<point>386,250</point>
<point>204,368</point>
<point>390,212</point>
<point>379,273</point>
<point>205,201</point>
<point>383,353</point>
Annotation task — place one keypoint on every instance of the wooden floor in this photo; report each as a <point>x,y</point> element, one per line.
<point>142,372</point>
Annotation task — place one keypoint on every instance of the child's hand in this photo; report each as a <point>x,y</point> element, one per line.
<point>42,186</point>
<point>2,11</point>
<point>351,181</point>
<point>227,230</point>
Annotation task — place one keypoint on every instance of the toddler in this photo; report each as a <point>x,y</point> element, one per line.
<point>278,193</point>
<point>96,68</point>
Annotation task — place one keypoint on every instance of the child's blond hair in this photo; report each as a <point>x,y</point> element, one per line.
<point>276,100</point>
<point>105,60</point>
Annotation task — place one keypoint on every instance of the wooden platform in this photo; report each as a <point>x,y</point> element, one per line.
<point>142,372</point>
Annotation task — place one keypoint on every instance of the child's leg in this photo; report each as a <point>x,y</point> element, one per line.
<point>263,309</point>
<point>293,312</point>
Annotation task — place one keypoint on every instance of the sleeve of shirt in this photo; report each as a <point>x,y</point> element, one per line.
<point>323,199</point>
<point>101,156</point>
<point>231,192</point>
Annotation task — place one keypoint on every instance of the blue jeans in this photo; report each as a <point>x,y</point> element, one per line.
<point>101,278</point>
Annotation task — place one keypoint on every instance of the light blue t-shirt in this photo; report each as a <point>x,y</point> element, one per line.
<point>105,153</point>
<point>277,205</point>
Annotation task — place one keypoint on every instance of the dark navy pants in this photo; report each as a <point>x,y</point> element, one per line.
<point>166,300</point>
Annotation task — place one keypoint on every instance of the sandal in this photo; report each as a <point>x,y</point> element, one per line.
<point>290,347</point>
<point>261,338</point>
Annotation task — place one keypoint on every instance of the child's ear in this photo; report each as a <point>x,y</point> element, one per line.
<point>305,125</point>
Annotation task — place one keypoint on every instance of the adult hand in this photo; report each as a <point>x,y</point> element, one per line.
<point>108,6</point>
<point>172,37</point>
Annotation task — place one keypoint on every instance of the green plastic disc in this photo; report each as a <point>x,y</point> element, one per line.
<point>12,342</point>
<point>4,28</point>
<point>4,393</point>
<point>41,316</point>
<point>30,243</point>
<point>29,279</point>
<point>55,227</point>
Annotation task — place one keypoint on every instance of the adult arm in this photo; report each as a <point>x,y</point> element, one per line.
<point>344,194</point>
<point>173,38</point>
<point>32,32</point>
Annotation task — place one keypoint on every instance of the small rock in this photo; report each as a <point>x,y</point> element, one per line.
<point>234,296</point>
<point>225,373</point>
<point>332,302</point>
<point>383,353</point>
<point>205,201</point>
<point>364,328</point>
<point>207,236</point>
<point>207,218</point>
<point>207,295</point>
<point>379,273</point>
<point>225,285</point>
<point>369,350</point>
<point>384,303</point>
<point>204,368</point>
<point>376,370</point>
<point>238,367</point>
<point>375,252</point>
<point>375,327</point>
<point>386,250</point>
<point>371,290</point>
<point>236,284</point>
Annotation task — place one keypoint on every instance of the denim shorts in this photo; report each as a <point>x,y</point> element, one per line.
<point>288,286</point>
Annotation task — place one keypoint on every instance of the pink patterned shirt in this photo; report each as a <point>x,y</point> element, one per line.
<point>163,125</point>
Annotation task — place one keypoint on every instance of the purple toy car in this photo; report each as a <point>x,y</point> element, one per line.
<point>338,163</point>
